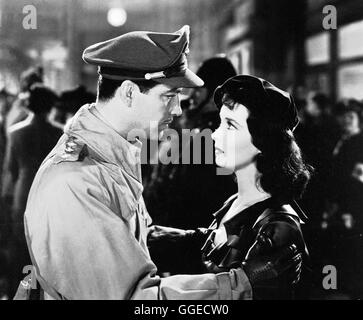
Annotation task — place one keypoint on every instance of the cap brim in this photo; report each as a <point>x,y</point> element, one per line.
<point>188,80</point>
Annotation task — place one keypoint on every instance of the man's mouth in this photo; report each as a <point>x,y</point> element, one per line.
<point>218,150</point>
<point>167,121</point>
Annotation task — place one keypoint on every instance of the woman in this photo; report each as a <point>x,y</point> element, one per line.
<point>255,141</point>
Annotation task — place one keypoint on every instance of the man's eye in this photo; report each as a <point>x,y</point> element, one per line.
<point>172,95</point>
<point>169,97</point>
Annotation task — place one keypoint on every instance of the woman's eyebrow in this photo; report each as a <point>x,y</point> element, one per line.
<point>229,105</point>
<point>232,120</point>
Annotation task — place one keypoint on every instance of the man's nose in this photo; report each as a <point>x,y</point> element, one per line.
<point>175,108</point>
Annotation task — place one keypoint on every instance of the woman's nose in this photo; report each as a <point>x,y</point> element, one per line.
<point>215,134</point>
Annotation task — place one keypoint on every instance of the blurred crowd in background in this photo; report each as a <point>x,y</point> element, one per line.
<point>186,195</point>
<point>31,122</point>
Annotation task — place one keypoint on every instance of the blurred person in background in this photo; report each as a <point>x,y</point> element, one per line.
<point>344,222</point>
<point>18,110</point>
<point>6,100</point>
<point>172,187</point>
<point>347,179</point>
<point>13,110</point>
<point>299,92</point>
<point>317,135</point>
<point>29,141</point>
<point>203,112</point>
<point>69,103</point>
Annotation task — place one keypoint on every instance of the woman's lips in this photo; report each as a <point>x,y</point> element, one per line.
<point>218,150</point>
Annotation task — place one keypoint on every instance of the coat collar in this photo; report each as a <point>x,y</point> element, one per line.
<point>89,127</point>
<point>247,216</point>
<point>254,213</point>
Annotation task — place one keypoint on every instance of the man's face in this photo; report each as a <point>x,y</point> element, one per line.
<point>156,108</point>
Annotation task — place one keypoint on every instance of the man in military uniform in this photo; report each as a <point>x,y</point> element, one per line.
<point>86,222</point>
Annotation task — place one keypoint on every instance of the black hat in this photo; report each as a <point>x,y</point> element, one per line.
<point>143,55</point>
<point>215,71</point>
<point>261,97</point>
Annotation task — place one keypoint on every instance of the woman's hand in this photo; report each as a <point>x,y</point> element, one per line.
<point>266,267</point>
<point>279,245</point>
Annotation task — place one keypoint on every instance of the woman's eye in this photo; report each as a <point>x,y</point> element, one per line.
<point>230,126</point>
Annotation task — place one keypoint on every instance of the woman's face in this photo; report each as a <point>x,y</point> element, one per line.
<point>233,142</point>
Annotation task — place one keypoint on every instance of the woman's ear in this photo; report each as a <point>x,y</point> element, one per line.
<point>126,92</point>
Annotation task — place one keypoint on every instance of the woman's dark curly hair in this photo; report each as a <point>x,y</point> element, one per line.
<point>284,173</point>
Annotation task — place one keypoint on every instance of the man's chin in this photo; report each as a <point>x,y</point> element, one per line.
<point>163,132</point>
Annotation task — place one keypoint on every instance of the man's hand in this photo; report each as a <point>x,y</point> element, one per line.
<point>266,267</point>
<point>161,233</point>
<point>24,289</point>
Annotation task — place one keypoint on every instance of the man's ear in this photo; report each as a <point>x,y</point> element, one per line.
<point>127,91</point>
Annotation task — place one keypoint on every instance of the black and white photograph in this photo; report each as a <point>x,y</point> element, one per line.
<point>189,150</point>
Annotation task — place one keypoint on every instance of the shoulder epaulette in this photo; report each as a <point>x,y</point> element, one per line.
<point>72,151</point>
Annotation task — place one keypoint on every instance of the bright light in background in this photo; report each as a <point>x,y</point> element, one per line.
<point>56,54</point>
<point>116,17</point>
<point>33,53</point>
